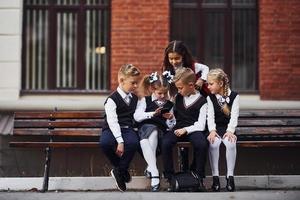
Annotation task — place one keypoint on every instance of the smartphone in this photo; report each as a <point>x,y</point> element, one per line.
<point>164,110</point>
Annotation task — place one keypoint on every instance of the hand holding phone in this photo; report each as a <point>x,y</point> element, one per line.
<point>164,110</point>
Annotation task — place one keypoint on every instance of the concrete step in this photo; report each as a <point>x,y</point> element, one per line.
<point>141,183</point>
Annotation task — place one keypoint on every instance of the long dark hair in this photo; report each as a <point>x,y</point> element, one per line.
<point>179,47</point>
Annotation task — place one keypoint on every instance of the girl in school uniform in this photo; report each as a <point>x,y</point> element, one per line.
<point>177,55</point>
<point>222,119</point>
<point>152,115</point>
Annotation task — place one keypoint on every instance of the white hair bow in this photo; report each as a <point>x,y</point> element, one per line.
<point>153,77</point>
<point>167,75</point>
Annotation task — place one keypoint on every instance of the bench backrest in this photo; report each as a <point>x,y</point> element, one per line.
<point>268,123</point>
<point>59,123</point>
<point>252,123</point>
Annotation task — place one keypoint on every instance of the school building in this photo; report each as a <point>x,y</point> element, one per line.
<point>66,54</point>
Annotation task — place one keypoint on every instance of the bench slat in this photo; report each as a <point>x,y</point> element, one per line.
<point>80,115</point>
<point>53,144</point>
<point>279,143</point>
<point>77,132</point>
<point>269,122</point>
<point>59,124</point>
<point>281,113</point>
<point>256,144</point>
<point>60,114</point>
<point>179,144</point>
<point>267,130</point>
<point>58,132</point>
<point>29,132</point>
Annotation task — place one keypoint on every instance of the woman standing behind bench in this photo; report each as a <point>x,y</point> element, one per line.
<point>119,141</point>
<point>222,118</point>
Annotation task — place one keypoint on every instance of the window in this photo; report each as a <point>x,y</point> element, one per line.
<point>65,46</point>
<point>220,33</point>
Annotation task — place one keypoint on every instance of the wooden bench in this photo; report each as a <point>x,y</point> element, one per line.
<point>259,128</point>
<point>82,127</point>
<point>74,129</point>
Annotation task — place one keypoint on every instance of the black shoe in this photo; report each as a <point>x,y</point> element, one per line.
<point>230,184</point>
<point>155,188</point>
<point>216,184</point>
<point>127,177</point>
<point>120,183</point>
<point>202,187</point>
<point>147,173</point>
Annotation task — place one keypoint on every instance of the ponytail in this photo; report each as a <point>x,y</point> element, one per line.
<point>220,76</point>
<point>226,109</point>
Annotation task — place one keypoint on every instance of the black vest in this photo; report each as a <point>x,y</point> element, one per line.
<point>124,111</point>
<point>221,119</point>
<point>187,116</point>
<point>159,121</point>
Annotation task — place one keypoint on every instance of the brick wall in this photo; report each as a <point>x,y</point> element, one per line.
<point>139,34</point>
<point>279,49</point>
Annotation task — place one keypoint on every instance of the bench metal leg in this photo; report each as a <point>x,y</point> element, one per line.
<point>183,155</point>
<point>46,169</point>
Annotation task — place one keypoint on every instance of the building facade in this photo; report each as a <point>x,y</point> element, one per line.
<point>66,54</point>
<point>73,47</point>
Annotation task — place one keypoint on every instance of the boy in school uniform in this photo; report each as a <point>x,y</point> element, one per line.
<point>190,109</point>
<point>118,140</point>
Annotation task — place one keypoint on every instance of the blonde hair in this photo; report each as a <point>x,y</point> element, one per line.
<point>221,77</point>
<point>128,70</point>
<point>186,75</point>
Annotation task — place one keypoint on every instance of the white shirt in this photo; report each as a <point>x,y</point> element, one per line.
<point>200,124</point>
<point>140,113</point>
<point>112,117</point>
<point>204,70</point>
<point>233,115</point>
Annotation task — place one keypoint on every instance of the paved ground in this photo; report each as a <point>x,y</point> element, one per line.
<point>115,195</point>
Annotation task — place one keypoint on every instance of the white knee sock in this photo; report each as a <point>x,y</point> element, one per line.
<point>153,140</point>
<point>230,156</point>
<point>148,146</point>
<point>214,156</point>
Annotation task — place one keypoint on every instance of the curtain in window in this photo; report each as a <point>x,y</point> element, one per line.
<point>65,45</point>
<point>220,34</point>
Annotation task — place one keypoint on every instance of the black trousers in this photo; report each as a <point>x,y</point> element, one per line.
<point>199,143</point>
<point>108,145</point>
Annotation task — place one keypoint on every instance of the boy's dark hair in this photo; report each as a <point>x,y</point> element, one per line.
<point>179,47</point>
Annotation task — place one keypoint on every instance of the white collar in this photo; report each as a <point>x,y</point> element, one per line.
<point>197,93</point>
<point>122,93</point>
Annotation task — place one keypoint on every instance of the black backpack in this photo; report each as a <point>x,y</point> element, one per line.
<point>185,182</point>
